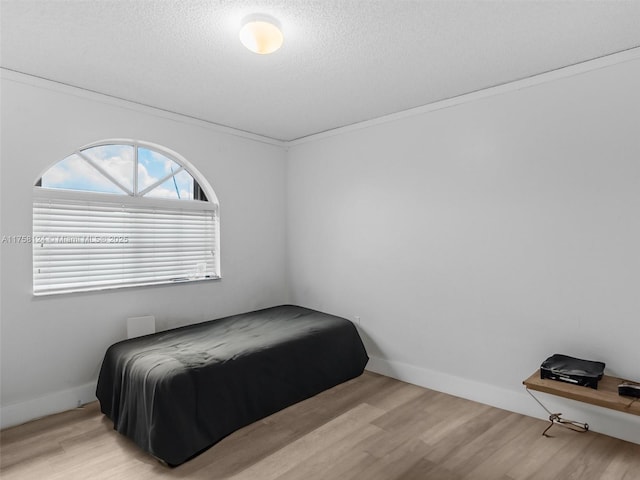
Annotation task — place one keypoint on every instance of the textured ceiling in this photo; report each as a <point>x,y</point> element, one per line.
<point>342,61</point>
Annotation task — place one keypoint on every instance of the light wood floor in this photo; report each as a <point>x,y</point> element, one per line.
<point>372,427</point>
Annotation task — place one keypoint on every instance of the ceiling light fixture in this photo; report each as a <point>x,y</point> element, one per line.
<point>261,34</point>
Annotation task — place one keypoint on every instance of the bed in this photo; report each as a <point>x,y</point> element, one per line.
<point>178,392</point>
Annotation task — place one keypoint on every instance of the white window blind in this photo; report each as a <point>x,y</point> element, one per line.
<point>90,241</point>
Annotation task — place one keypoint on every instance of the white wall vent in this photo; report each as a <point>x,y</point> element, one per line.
<point>138,326</point>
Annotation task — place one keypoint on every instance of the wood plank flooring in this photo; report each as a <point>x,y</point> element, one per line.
<point>372,427</point>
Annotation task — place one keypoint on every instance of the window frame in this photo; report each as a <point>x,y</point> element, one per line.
<point>134,200</point>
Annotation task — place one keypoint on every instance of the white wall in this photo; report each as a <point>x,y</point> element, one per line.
<point>476,240</point>
<point>52,347</point>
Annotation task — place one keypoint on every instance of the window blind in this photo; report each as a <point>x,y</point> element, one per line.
<point>88,241</point>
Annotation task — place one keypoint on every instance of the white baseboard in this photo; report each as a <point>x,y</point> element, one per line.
<point>17,413</point>
<point>603,420</point>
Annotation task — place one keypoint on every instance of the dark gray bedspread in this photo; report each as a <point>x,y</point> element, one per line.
<point>176,393</point>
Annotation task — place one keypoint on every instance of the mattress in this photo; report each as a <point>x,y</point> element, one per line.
<point>178,392</point>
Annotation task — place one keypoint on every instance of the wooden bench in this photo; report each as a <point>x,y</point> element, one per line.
<point>605,396</point>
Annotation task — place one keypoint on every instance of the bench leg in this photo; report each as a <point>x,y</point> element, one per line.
<point>556,419</point>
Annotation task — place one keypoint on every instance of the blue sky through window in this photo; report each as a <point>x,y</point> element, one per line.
<point>76,173</point>
<point>181,188</point>
<point>152,166</point>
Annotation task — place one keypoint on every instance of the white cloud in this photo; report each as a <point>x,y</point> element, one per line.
<point>116,160</point>
<point>75,173</point>
<point>144,178</point>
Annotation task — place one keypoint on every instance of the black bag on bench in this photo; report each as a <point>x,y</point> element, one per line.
<point>572,370</point>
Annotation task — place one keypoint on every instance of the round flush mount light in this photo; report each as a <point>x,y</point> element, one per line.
<point>261,34</point>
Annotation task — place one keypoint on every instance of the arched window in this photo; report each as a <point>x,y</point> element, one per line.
<point>119,214</point>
